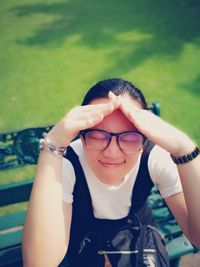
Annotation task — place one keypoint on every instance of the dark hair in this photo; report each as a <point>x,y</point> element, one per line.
<point>118,87</point>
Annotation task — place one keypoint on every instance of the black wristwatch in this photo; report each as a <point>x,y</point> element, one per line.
<point>186,158</point>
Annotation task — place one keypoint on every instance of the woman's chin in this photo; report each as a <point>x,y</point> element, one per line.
<point>111,178</point>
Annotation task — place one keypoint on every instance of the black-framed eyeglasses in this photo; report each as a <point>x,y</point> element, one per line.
<point>129,141</point>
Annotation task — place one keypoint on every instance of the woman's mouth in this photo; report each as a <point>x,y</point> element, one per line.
<point>108,164</point>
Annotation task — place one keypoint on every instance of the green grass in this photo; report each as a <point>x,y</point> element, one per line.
<point>53,51</point>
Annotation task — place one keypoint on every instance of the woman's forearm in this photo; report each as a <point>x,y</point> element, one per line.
<point>46,227</point>
<point>190,179</point>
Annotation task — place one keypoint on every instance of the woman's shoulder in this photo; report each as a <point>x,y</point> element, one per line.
<point>69,161</point>
<point>160,162</point>
<point>77,146</point>
<point>158,152</point>
<point>163,172</point>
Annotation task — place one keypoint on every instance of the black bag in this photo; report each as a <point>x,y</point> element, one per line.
<point>132,245</point>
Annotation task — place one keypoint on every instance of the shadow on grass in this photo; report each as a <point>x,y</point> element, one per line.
<point>159,28</point>
<point>193,86</point>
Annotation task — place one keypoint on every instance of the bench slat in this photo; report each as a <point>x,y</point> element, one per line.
<point>15,193</point>
<point>12,220</point>
<point>11,239</point>
<point>11,257</point>
<point>179,246</point>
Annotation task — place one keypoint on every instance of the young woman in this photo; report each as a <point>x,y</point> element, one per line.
<point>114,126</point>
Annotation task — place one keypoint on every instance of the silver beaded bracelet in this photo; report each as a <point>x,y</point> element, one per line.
<point>45,144</point>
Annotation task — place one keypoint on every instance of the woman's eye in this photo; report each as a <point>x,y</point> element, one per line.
<point>130,138</point>
<point>98,136</point>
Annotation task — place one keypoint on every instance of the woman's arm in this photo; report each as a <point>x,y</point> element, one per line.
<point>47,226</point>
<point>185,206</point>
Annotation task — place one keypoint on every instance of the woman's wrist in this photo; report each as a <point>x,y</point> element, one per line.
<point>183,149</point>
<point>58,140</point>
<point>46,144</point>
<point>185,158</point>
<point>184,145</point>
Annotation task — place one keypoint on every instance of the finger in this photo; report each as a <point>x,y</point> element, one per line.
<point>90,115</point>
<point>127,104</point>
<point>128,108</point>
<point>140,118</point>
<point>90,122</point>
<point>93,117</point>
<point>105,109</point>
<point>114,98</point>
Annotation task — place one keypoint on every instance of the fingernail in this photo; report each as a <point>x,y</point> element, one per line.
<point>111,95</point>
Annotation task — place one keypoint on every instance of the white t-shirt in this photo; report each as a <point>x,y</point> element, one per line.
<point>111,201</point>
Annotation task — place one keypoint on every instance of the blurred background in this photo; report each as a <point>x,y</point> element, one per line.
<point>53,51</point>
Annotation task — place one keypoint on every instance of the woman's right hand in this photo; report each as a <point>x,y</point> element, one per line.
<point>77,119</point>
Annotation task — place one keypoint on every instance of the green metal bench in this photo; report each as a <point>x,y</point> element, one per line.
<point>19,149</point>
<point>177,244</point>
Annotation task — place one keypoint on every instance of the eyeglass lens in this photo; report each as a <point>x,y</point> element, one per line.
<point>128,142</point>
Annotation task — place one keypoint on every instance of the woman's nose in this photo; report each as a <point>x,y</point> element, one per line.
<point>113,148</point>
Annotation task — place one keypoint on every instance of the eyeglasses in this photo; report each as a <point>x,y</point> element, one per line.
<point>128,142</point>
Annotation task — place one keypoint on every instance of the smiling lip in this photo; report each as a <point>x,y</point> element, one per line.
<point>111,164</point>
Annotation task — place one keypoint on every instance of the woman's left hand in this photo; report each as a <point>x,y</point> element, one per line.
<point>157,130</point>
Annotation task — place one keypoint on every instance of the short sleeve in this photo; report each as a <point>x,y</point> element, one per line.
<point>164,172</point>
<point>68,180</point>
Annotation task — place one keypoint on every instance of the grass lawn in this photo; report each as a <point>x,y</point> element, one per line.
<point>53,51</point>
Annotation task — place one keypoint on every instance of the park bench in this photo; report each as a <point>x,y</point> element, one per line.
<point>19,149</point>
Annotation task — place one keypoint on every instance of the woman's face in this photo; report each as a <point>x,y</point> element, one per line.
<point>112,164</point>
